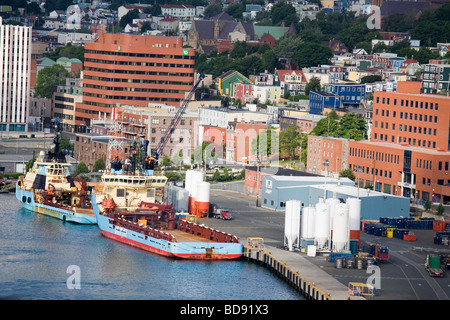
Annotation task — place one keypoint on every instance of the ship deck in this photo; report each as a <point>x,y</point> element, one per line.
<point>85,211</point>
<point>182,236</point>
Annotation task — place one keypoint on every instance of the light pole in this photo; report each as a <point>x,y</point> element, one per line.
<point>325,163</point>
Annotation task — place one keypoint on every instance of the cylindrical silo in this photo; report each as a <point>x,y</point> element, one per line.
<point>182,196</point>
<point>332,202</point>
<point>340,227</point>
<point>202,198</point>
<point>354,209</point>
<point>322,225</point>
<point>311,223</point>
<point>304,222</point>
<point>195,177</point>
<point>292,224</point>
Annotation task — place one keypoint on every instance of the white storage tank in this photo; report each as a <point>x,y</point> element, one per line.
<point>332,202</point>
<point>292,224</point>
<point>202,194</point>
<point>341,227</point>
<point>322,225</point>
<point>354,207</point>
<point>311,219</point>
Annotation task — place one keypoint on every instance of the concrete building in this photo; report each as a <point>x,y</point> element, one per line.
<point>220,116</point>
<point>64,102</point>
<point>133,70</point>
<point>15,69</point>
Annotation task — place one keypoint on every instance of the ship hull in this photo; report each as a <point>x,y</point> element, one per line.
<point>185,250</point>
<point>27,200</point>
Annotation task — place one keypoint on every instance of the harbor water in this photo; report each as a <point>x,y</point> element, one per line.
<point>43,258</point>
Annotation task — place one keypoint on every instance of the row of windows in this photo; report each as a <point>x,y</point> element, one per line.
<point>87,85</point>
<point>409,103</point>
<point>146,73</point>
<point>140,55</point>
<point>104,96</point>
<point>128,80</point>
<point>372,171</point>
<point>405,128</point>
<point>412,116</point>
<point>410,141</point>
<point>374,155</point>
<point>139,63</point>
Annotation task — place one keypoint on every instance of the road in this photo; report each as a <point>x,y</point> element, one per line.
<point>403,277</point>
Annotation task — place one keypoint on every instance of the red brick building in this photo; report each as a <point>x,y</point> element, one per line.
<point>133,70</point>
<point>240,136</point>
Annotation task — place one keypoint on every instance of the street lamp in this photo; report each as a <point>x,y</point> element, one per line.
<point>325,163</point>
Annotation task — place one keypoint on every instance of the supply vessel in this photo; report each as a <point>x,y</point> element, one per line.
<point>128,211</point>
<point>49,189</point>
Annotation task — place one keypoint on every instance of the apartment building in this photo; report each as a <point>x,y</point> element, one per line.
<point>122,69</point>
<point>15,66</point>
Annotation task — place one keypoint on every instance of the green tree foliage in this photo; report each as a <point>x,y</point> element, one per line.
<point>69,51</point>
<point>370,79</point>
<point>350,126</point>
<point>213,9</point>
<point>290,140</point>
<point>128,18</point>
<point>440,209</point>
<point>81,168</point>
<point>283,12</point>
<point>99,165</point>
<point>312,85</point>
<point>347,173</point>
<point>264,142</point>
<point>311,54</point>
<point>49,77</point>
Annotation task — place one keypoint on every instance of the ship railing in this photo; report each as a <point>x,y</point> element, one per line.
<point>146,230</point>
<point>206,232</point>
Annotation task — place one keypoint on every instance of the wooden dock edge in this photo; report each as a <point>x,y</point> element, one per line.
<point>271,258</point>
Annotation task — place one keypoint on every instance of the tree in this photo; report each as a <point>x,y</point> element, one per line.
<point>312,85</point>
<point>81,168</point>
<point>311,54</point>
<point>440,209</point>
<point>49,77</point>
<point>128,18</point>
<point>99,165</point>
<point>213,9</point>
<point>427,205</point>
<point>265,142</point>
<point>347,173</point>
<point>287,46</point>
<point>290,140</point>
<point>352,126</point>
<point>325,127</point>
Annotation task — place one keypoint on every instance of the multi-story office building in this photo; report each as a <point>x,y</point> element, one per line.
<point>121,69</point>
<point>15,65</point>
<point>409,151</point>
<point>64,100</point>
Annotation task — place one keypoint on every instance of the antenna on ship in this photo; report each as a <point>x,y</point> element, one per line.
<point>115,147</point>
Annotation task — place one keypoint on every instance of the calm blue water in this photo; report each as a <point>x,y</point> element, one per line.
<point>36,251</point>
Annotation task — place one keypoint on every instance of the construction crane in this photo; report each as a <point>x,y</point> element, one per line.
<point>157,152</point>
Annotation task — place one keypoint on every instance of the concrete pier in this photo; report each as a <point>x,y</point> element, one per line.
<point>308,279</point>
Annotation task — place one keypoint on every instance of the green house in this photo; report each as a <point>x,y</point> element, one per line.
<point>227,81</point>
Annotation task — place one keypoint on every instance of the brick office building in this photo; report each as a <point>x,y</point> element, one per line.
<point>133,70</point>
<point>409,151</point>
